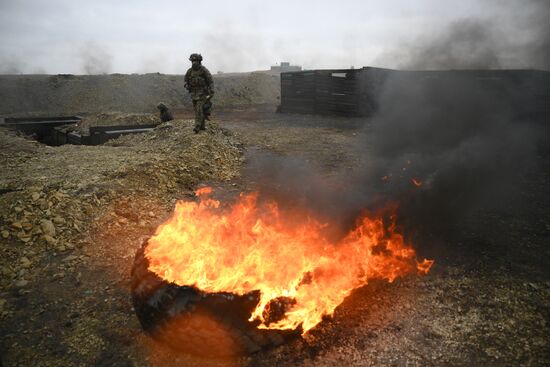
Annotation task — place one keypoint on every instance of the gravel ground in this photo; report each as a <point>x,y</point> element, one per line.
<point>65,301</point>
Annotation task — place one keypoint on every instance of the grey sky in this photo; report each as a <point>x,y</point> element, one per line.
<point>64,36</point>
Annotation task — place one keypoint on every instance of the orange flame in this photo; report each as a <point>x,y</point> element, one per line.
<point>416,182</point>
<point>250,247</point>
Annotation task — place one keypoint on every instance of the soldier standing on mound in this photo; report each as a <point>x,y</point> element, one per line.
<point>199,83</point>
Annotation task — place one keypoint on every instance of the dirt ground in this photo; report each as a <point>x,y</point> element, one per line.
<point>64,293</point>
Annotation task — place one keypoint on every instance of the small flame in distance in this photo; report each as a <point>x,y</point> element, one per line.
<point>251,246</point>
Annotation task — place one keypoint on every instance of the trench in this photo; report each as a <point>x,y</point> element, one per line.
<point>61,130</point>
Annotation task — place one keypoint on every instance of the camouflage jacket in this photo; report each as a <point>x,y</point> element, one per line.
<point>199,82</point>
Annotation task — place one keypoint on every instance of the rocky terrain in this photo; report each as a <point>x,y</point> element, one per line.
<point>54,200</point>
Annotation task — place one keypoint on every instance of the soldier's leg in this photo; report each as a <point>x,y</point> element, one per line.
<point>200,108</point>
<point>197,107</point>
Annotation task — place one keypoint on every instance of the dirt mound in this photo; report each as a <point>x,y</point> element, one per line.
<point>80,94</point>
<point>49,193</point>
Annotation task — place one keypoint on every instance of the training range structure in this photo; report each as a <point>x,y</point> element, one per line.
<point>61,130</point>
<point>356,92</point>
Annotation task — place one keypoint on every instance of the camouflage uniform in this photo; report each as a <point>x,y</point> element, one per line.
<point>165,114</point>
<point>200,85</point>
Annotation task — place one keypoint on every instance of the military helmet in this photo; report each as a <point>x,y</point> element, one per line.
<point>194,57</point>
<point>161,106</point>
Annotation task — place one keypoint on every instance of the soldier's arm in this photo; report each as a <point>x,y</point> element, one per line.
<point>209,81</point>
<point>186,78</point>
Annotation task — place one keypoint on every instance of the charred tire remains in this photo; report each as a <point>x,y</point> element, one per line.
<point>195,322</point>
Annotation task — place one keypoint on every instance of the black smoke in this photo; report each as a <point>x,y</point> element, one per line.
<point>447,144</point>
<point>537,48</point>
<point>465,44</point>
<point>441,147</point>
<point>514,35</point>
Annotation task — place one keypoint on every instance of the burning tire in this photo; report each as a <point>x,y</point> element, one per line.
<point>192,321</point>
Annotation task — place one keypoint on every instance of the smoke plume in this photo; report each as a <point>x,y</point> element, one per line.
<point>516,38</point>
<point>95,59</point>
<point>466,44</point>
<point>437,150</point>
<point>537,48</point>
<point>444,147</point>
<point>11,64</point>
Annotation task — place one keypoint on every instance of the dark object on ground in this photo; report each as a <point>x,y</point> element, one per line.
<point>195,322</point>
<point>62,130</point>
<point>98,134</point>
<point>165,114</point>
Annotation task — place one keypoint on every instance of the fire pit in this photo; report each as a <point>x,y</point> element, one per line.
<point>223,281</point>
<point>192,321</point>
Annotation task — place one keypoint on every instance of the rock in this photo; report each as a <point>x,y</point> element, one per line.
<point>22,283</point>
<point>26,226</point>
<point>49,239</point>
<point>47,227</point>
<point>25,262</point>
<point>18,209</point>
<point>6,271</point>
<point>58,220</point>
<point>35,196</point>
<point>43,204</point>
<point>70,258</point>
<point>3,303</point>
<point>5,234</point>
<point>17,225</point>
<point>36,230</point>
<point>61,248</point>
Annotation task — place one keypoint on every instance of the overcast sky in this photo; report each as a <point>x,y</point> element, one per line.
<point>71,36</point>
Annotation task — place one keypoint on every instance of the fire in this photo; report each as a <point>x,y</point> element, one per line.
<point>251,246</point>
<point>416,182</point>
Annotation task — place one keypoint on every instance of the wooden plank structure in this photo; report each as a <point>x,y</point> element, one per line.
<point>356,92</point>
<point>344,92</point>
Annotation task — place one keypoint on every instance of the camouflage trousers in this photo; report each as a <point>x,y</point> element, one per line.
<point>198,106</point>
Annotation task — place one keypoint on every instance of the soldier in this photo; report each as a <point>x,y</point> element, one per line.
<point>199,83</point>
<point>165,114</point>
